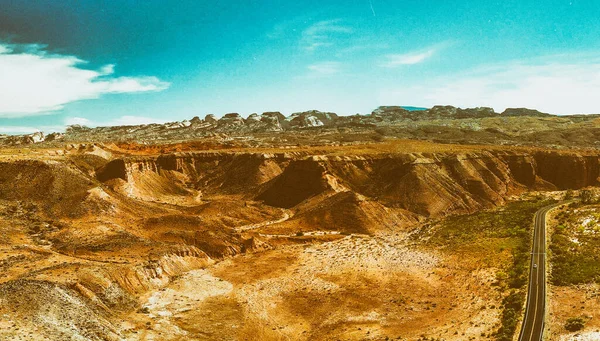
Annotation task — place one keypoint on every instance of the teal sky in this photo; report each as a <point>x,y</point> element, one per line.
<point>127,62</point>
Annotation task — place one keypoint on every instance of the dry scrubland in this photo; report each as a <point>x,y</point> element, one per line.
<point>575,273</point>
<point>403,240</point>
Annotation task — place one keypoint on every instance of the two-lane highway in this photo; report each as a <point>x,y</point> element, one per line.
<point>533,323</point>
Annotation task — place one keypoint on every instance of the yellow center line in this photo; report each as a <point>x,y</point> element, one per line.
<point>534,311</point>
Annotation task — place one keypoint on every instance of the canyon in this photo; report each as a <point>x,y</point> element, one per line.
<point>116,241</point>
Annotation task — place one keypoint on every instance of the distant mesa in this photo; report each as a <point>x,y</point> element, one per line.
<point>394,113</point>
<point>523,112</point>
<point>210,118</point>
<point>312,118</point>
<point>231,119</point>
<point>253,118</point>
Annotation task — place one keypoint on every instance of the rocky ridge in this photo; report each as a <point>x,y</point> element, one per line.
<point>441,123</point>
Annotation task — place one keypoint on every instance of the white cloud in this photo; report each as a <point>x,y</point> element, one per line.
<point>394,60</point>
<point>119,121</point>
<point>77,121</point>
<point>559,84</point>
<point>34,81</point>
<point>325,68</point>
<point>107,69</point>
<point>18,130</point>
<point>323,34</point>
<point>413,57</point>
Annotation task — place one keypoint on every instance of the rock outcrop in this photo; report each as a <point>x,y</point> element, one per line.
<point>523,112</point>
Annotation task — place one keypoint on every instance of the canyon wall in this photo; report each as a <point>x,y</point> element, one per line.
<point>428,184</point>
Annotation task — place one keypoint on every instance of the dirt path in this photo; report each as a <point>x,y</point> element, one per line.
<point>308,234</point>
<point>287,214</point>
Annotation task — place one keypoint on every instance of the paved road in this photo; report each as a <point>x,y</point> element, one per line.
<point>533,324</point>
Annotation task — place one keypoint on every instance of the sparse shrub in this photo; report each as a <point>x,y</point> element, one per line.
<point>587,196</point>
<point>569,194</point>
<point>512,305</point>
<point>299,234</point>
<point>575,324</point>
<point>574,263</point>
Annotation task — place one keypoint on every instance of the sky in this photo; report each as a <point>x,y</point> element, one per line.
<point>98,63</point>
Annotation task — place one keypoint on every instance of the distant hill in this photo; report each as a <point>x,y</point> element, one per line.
<point>441,123</point>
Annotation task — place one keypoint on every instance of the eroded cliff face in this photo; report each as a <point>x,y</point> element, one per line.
<point>424,184</point>
<point>184,176</point>
<point>568,171</point>
<point>428,184</point>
